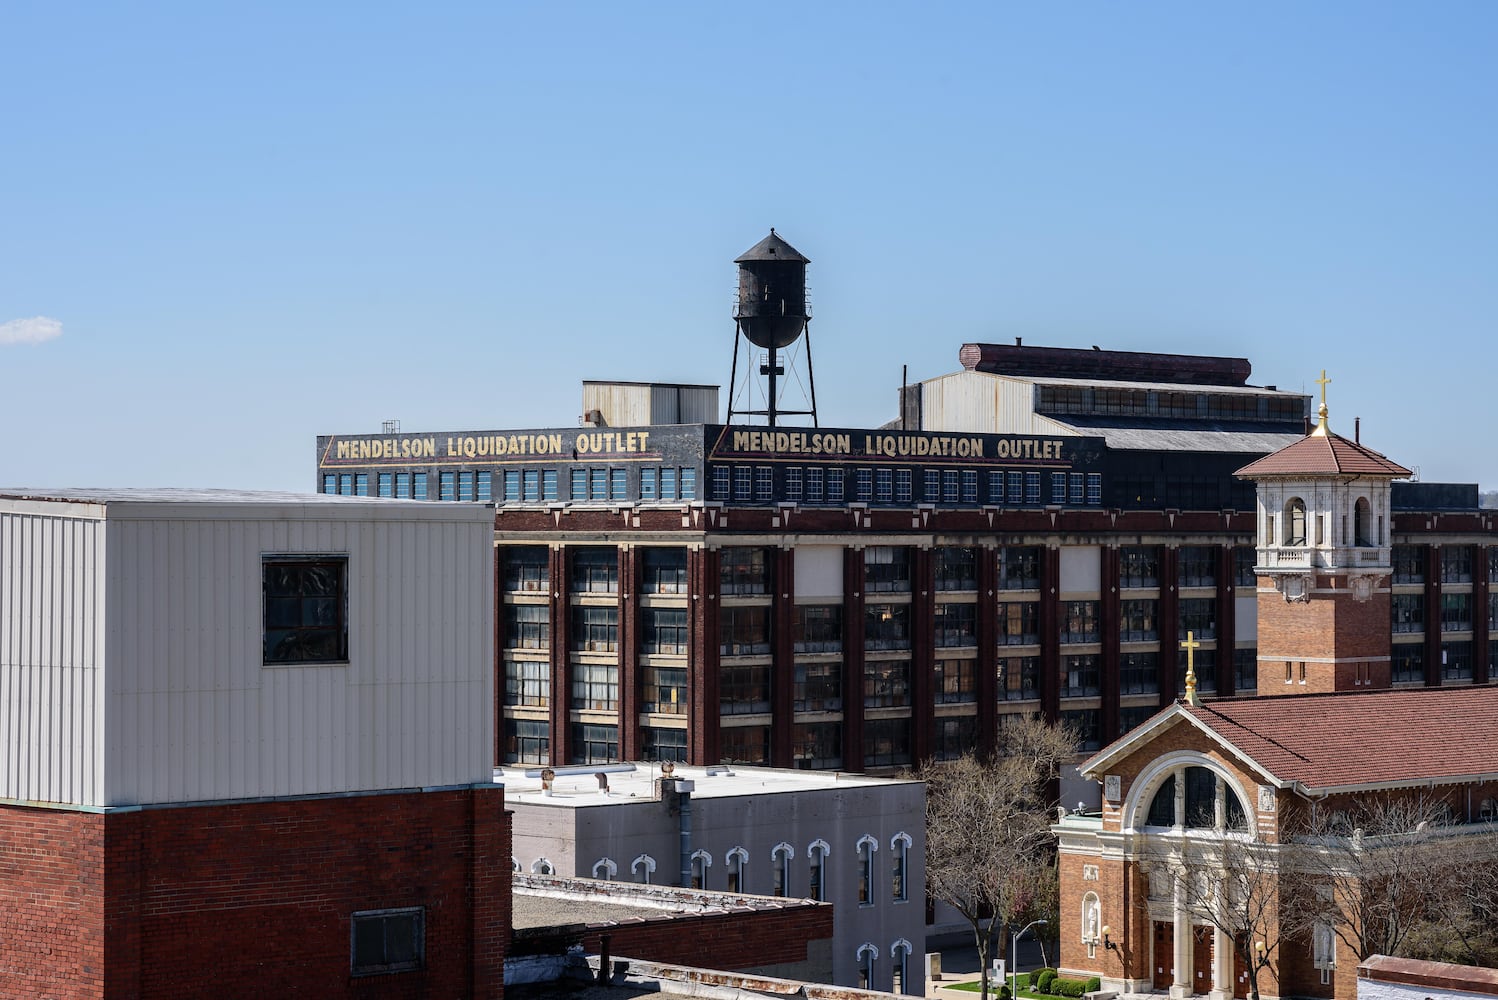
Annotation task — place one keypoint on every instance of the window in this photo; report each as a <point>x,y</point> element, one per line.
<point>1094,488</point>
<point>527,626</point>
<point>1295,521</point>
<point>1408,612</point>
<point>647,484</point>
<point>949,486</point>
<point>1079,621</point>
<point>816,860</point>
<point>1198,566</point>
<point>956,569</point>
<point>595,570</point>
<point>744,631</point>
<point>1138,621</point>
<point>899,847</point>
<point>1456,661</point>
<point>886,626</point>
<point>866,848</point>
<point>904,488</point>
<point>595,629</point>
<point>1019,678</point>
<point>1245,670</point>
<point>817,745</point>
<point>465,486</point>
<point>403,485</point>
<point>956,624</point>
<point>1079,676</point>
<point>418,485</point>
<point>361,484</point>
<point>1409,564</point>
<point>996,488</point>
<point>1243,567</point>
<point>1015,494</point>
<point>1198,615</point>
<point>1019,623</point>
<point>1019,568</point>
<point>819,687</point>
<point>643,867</point>
<point>734,861</point>
<point>665,690</point>
<point>1032,488</point>
<point>306,609</point>
<point>1133,716</point>
<point>664,571</point>
<point>1456,564</point>
<point>793,488</point>
<point>884,486</point>
<point>886,683</point>
<point>886,742</point>
<point>605,869</point>
<point>1058,487</point>
<point>595,687</point>
<point>814,485</point>
<point>663,631</point>
<point>384,941</point>
<point>720,482</point>
<point>1139,673</point>
<point>486,485</point>
<point>863,485</point>
<point>595,744</point>
<point>956,681</point>
<point>579,484</point>
<point>780,865</point>
<point>742,571</point>
<point>954,735</point>
<point>1076,488</point>
<point>1408,664</point>
<point>931,485</point>
<point>688,484</point>
<point>745,745</point>
<point>527,683</point>
<point>1204,663</point>
<point>526,568</point>
<point>834,485</point>
<point>1139,567</point>
<point>386,485</point>
<point>764,483</point>
<point>512,485</point>
<point>531,485</point>
<point>886,569</point>
<point>701,862</point>
<point>527,741</point>
<point>969,486</point>
<point>445,486</point>
<point>743,689</point>
<point>866,955</point>
<point>899,955</point>
<point>817,628</point>
<point>743,482</point>
<point>330,484</point>
<point>598,484</point>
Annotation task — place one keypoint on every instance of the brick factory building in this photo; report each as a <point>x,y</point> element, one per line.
<point>245,747</point>
<point>1035,534</point>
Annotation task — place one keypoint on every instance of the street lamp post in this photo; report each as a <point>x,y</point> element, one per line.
<point>1014,957</point>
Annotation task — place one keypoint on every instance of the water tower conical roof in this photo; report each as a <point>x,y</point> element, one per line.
<point>772,247</point>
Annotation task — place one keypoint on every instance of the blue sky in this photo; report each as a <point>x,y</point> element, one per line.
<point>245,225</point>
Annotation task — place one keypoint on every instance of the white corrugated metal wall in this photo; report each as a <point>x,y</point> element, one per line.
<point>194,715</point>
<point>51,657</point>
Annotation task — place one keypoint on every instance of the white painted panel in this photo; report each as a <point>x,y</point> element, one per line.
<point>819,571</point>
<point>1246,618</point>
<point>1081,569</point>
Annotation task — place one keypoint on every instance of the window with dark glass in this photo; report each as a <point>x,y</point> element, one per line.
<point>1138,620</point>
<point>595,686</point>
<point>1019,678</point>
<point>886,742</point>
<point>720,482</point>
<point>1408,663</point>
<point>1162,811</point>
<point>742,570</point>
<point>527,683</point>
<point>594,744</point>
<point>956,681</point>
<point>886,626</point>
<point>1133,716</point>
<point>903,486</point>
<point>1408,612</point>
<point>595,570</point>
<point>1493,612</point>
<point>1205,661</point>
<point>1456,612</point>
<point>1493,564</point>
<point>527,626</point>
<point>743,689</point>
<point>956,568</point>
<point>662,743</point>
<point>595,629</point>
<point>817,746</point>
<point>1456,564</point>
<point>1246,670</point>
<point>1087,724</point>
<point>1198,565</point>
<point>744,631</point>
<point>1079,621</point>
<point>956,624</point>
<point>814,485</point>
<point>1019,623</point>
<point>834,485</point>
<point>952,737</point>
<point>385,941</point>
<point>817,628</point>
<point>1139,673</point>
<point>663,631</point>
<point>886,569</point>
<point>884,486</point>
<point>1080,676</point>
<point>663,571</point>
<point>1456,661</point>
<point>1139,566</point>
<point>744,745</point>
<point>1243,567</point>
<point>819,687</point>
<point>306,609</point>
<point>665,690</point>
<point>526,568</point>
<point>1198,615</point>
<point>1201,798</point>
<point>1295,522</point>
<point>886,683</point>
<point>793,490</point>
<point>863,485</point>
<point>1409,564</point>
<point>1019,568</point>
<point>527,741</point>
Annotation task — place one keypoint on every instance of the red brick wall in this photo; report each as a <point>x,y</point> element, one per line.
<point>51,903</point>
<point>736,940</point>
<point>1328,626</point>
<point>254,898</point>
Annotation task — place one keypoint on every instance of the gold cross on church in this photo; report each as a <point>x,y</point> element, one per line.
<point>1322,427</point>
<point>1191,646</point>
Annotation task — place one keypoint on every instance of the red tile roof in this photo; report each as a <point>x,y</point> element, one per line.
<point>1375,738</point>
<point>1323,455</point>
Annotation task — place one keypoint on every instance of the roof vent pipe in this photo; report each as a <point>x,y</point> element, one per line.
<point>1357,430</point>
<point>603,782</point>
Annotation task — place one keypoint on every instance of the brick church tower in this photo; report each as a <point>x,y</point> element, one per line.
<point>1323,563</point>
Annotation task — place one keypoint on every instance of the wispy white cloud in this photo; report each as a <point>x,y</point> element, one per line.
<point>29,331</point>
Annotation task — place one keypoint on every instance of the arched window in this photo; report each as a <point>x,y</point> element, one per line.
<point>701,862</point>
<point>866,847</point>
<point>780,862</point>
<point>605,869</point>
<point>899,956</point>
<point>541,866</point>
<point>1209,802</point>
<point>643,867</point>
<point>816,859</point>
<point>514,863</point>
<point>735,859</point>
<point>1163,805</point>
<point>899,849</point>
<point>1295,521</point>
<point>1362,522</point>
<point>866,955</point>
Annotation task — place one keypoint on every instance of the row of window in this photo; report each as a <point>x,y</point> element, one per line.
<point>1096,401</point>
<point>836,485</point>
<point>1454,564</point>
<point>522,485</point>
<point>1408,612</point>
<point>1456,663</point>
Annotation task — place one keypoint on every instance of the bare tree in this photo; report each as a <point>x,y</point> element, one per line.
<point>988,840</point>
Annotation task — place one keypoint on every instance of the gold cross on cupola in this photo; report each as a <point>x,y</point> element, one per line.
<point>1191,646</point>
<point>1322,427</point>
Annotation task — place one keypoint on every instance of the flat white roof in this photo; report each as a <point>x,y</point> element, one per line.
<point>165,501</point>
<point>576,785</point>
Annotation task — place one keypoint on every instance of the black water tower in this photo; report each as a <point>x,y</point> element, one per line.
<point>771,313</point>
